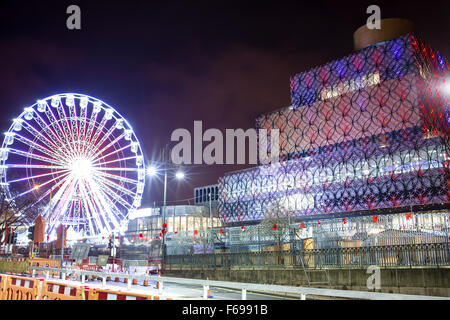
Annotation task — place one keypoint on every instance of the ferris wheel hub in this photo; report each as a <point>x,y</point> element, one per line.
<point>81,168</point>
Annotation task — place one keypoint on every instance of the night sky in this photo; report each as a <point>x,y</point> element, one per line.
<point>164,64</point>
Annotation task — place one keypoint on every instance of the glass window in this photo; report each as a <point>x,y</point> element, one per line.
<point>198,223</point>
<point>159,223</point>
<point>190,223</point>
<point>169,222</point>
<point>183,223</point>
<point>176,223</point>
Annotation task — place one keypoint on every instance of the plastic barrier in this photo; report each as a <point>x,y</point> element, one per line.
<point>22,288</point>
<point>19,288</point>
<point>2,285</point>
<point>104,294</point>
<point>52,290</point>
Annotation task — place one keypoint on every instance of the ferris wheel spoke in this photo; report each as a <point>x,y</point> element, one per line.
<point>37,146</point>
<point>54,122</point>
<point>46,193</point>
<point>116,177</point>
<point>87,211</point>
<point>115,160</point>
<point>65,125</point>
<point>115,186</point>
<point>111,153</point>
<point>38,176</point>
<point>63,199</point>
<point>116,140</point>
<point>113,195</point>
<point>103,202</point>
<point>53,143</point>
<point>82,136</point>
<point>102,141</point>
<point>94,213</point>
<point>40,186</point>
<point>93,140</point>
<point>35,156</point>
<point>32,166</point>
<point>117,169</point>
<point>74,124</point>
<point>92,121</point>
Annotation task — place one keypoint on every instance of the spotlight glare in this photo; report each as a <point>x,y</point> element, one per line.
<point>179,175</point>
<point>151,171</point>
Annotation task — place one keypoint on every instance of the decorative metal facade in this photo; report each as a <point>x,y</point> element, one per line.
<point>364,133</point>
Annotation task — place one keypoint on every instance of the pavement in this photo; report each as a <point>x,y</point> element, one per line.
<point>178,291</point>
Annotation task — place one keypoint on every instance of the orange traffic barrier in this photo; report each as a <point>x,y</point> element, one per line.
<point>145,283</point>
<point>2,285</point>
<point>105,294</point>
<point>52,290</point>
<point>20,288</point>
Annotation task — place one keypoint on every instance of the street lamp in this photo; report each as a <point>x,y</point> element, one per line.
<point>179,175</point>
<point>153,171</point>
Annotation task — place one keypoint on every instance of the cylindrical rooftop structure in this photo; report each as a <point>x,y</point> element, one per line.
<point>390,28</point>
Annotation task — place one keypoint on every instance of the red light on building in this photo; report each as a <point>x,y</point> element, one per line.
<point>274,226</point>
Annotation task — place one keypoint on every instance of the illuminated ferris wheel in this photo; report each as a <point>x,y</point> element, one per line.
<point>78,158</point>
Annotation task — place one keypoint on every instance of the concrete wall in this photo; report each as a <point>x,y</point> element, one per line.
<point>419,281</point>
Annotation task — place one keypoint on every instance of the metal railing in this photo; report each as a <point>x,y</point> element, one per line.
<point>302,292</point>
<point>433,254</point>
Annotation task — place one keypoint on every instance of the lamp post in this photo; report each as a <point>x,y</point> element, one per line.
<point>62,249</point>
<point>153,171</point>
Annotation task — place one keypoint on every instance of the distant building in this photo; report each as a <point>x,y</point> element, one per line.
<point>203,195</point>
<point>367,133</point>
<point>364,149</point>
<point>186,226</point>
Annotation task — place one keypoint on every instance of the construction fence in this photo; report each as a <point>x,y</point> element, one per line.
<point>14,287</point>
<point>432,254</point>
